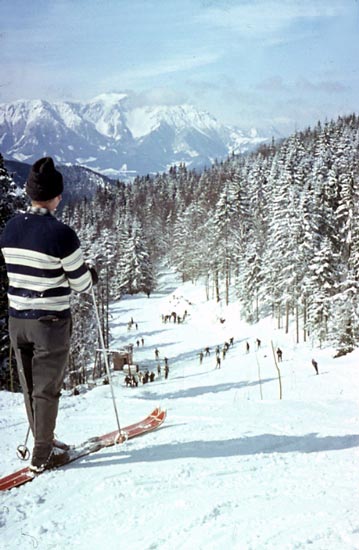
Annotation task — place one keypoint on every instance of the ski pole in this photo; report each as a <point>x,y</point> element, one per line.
<point>22,451</point>
<point>106,360</point>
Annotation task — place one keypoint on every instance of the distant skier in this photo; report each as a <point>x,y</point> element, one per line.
<point>167,370</point>
<point>218,362</point>
<point>315,365</point>
<point>279,355</point>
<point>247,347</point>
<point>258,343</point>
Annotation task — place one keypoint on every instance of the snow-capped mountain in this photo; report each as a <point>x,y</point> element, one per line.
<point>109,135</point>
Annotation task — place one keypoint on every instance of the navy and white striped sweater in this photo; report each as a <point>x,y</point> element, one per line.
<point>44,263</point>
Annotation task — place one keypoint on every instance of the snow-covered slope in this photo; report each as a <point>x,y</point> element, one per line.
<point>109,135</point>
<point>234,467</point>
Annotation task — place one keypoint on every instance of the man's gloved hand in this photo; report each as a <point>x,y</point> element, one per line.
<point>93,275</point>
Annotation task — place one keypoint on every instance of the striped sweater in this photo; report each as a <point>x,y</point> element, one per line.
<point>44,263</point>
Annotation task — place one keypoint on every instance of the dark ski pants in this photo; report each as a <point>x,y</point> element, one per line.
<point>41,348</point>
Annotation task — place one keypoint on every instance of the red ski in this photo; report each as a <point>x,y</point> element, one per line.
<point>92,445</point>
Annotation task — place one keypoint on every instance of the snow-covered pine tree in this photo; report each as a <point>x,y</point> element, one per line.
<point>346,303</point>
<point>227,207</point>
<point>319,289</point>
<point>251,242</point>
<point>11,199</point>
<point>136,270</point>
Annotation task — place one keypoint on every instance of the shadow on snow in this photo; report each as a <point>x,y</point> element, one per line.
<point>197,391</point>
<point>225,448</point>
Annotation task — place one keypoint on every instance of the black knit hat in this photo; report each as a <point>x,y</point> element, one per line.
<point>44,182</point>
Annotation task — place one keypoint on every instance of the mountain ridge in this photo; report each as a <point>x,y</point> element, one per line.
<point>112,135</point>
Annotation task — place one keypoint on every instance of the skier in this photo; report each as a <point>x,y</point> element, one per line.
<point>279,355</point>
<point>166,371</point>
<point>200,357</point>
<point>315,365</point>
<point>44,264</point>
<point>218,362</point>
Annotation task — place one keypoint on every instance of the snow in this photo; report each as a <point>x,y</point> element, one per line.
<point>20,157</point>
<point>109,99</point>
<point>233,467</point>
<point>143,120</point>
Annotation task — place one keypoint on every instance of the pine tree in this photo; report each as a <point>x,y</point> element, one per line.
<point>137,272</point>
<point>10,200</point>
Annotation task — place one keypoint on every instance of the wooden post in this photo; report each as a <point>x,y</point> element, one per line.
<point>259,377</point>
<point>10,367</point>
<point>279,376</point>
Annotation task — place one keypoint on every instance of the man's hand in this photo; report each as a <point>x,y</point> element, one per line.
<point>93,275</point>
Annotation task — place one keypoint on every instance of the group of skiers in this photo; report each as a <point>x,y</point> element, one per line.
<point>174,317</point>
<point>218,352</point>
<point>133,380</point>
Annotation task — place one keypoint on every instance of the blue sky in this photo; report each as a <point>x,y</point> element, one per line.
<point>261,63</point>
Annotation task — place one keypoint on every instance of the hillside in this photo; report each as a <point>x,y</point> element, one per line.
<point>234,467</point>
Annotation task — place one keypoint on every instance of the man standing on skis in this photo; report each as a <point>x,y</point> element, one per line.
<point>44,264</point>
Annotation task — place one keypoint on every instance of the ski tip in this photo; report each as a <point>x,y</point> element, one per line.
<point>156,411</point>
<point>159,413</point>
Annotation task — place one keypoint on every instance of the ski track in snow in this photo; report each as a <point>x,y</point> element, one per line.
<point>227,470</point>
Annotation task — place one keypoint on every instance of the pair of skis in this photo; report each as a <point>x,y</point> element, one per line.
<point>92,445</point>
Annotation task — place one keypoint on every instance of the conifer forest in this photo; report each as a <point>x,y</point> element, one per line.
<point>275,230</point>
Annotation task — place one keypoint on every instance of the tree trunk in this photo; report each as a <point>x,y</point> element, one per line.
<point>207,287</point>
<point>287,308</point>
<point>297,321</point>
<point>227,284</point>
<point>216,282</point>
<point>279,310</point>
